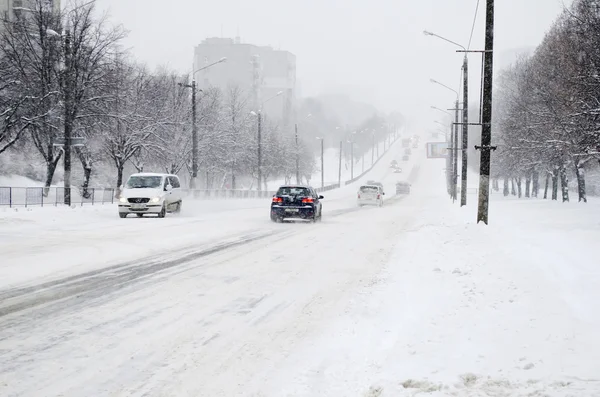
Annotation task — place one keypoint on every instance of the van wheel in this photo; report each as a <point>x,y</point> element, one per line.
<point>162,212</point>
<point>122,215</point>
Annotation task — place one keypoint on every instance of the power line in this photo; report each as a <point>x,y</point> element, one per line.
<point>473,27</point>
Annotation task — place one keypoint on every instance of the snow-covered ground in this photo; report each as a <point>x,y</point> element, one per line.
<point>410,299</point>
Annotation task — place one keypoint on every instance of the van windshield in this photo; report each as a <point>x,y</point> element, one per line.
<point>144,182</point>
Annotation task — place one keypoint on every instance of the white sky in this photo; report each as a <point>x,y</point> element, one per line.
<point>372,49</point>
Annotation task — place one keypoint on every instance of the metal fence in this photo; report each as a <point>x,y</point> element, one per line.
<point>54,196</point>
<point>40,196</point>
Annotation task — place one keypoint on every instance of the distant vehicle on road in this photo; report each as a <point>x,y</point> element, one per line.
<point>402,188</point>
<point>393,164</point>
<point>405,157</point>
<point>296,202</point>
<point>406,142</point>
<point>370,195</point>
<point>150,193</point>
<point>407,151</point>
<point>397,170</point>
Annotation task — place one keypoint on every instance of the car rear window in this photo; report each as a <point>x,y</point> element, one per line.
<point>293,191</point>
<point>369,189</point>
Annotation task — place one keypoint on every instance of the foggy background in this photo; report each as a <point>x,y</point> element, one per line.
<point>374,51</point>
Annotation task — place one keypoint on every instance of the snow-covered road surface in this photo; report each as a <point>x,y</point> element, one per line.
<point>409,299</point>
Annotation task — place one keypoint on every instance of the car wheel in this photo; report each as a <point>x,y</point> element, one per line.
<point>274,219</point>
<point>162,212</point>
<point>140,215</point>
<point>178,208</point>
<point>122,215</point>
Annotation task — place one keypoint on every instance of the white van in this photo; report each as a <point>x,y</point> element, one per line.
<point>149,193</point>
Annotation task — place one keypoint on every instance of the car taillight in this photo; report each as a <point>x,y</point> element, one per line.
<point>307,200</point>
<point>378,196</point>
<point>277,200</point>
<point>358,195</point>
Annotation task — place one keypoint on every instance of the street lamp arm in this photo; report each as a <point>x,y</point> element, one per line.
<point>441,110</point>
<point>427,33</point>
<point>445,86</point>
<point>209,65</point>
<point>267,100</point>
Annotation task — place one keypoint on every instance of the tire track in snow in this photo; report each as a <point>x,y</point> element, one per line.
<point>96,283</point>
<point>100,282</point>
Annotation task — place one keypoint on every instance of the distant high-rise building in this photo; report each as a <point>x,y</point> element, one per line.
<point>259,70</point>
<point>8,8</point>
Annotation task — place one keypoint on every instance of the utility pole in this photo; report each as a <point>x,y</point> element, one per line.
<point>259,153</point>
<point>465,133</point>
<point>194,138</point>
<point>373,152</point>
<point>297,157</point>
<point>322,163</point>
<point>351,160</point>
<point>449,160</point>
<point>363,162</point>
<point>486,117</point>
<point>455,152</point>
<point>340,166</point>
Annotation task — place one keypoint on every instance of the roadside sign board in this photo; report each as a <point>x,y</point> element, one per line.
<point>437,150</point>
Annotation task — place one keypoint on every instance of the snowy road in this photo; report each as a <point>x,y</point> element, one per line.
<point>406,299</point>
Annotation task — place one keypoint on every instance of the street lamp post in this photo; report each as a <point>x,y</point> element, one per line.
<point>450,163</point>
<point>259,138</point>
<point>373,150</point>
<point>193,87</point>
<point>322,161</point>
<point>298,153</point>
<point>465,118</point>
<point>455,145</point>
<point>352,160</point>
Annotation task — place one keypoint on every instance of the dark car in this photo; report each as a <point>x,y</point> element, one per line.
<point>296,202</point>
<point>402,188</point>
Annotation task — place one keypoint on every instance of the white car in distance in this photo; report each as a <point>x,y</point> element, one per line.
<point>370,195</point>
<point>150,193</point>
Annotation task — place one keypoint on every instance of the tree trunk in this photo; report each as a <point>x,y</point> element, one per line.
<point>120,167</point>
<point>536,184</point>
<point>546,186</point>
<point>513,187</point>
<point>87,173</point>
<point>555,184</point>
<point>528,185</point>
<point>496,185</point>
<point>519,189</point>
<point>564,180</point>
<point>580,172</point>
<point>505,190</point>
<point>50,169</point>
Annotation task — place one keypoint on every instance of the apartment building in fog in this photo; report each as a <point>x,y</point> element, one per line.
<point>260,71</point>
